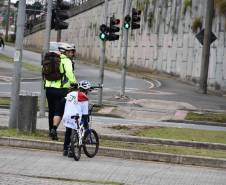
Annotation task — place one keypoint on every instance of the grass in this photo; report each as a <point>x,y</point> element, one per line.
<point>5,58</point>
<point>211,117</point>
<point>31,67</point>
<point>120,127</point>
<point>23,135</point>
<point>124,145</point>
<point>180,134</point>
<point>4,101</point>
<point>165,149</point>
<point>27,66</point>
<point>99,182</point>
<point>197,24</point>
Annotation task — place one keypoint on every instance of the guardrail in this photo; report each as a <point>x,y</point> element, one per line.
<point>78,7</point>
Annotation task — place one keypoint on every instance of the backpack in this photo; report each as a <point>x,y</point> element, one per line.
<point>51,67</point>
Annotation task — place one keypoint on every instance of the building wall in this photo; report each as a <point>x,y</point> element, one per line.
<point>165,41</point>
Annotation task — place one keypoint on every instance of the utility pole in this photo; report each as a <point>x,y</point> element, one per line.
<point>125,48</point>
<point>102,56</point>
<point>15,89</point>
<point>206,46</point>
<point>123,16</point>
<point>58,35</point>
<point>45,50</point>
<point>7,21</point>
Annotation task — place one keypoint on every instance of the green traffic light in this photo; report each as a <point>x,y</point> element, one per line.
<point>126,25</point>
<point>102,36</point>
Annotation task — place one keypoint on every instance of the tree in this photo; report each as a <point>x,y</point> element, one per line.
<point>37,8</point>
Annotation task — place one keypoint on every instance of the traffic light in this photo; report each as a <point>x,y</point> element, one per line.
<point>127,22</point>
<point>114,28</point>
<point>104,32</point>
<point>59,14</point>
<point>135,18</point>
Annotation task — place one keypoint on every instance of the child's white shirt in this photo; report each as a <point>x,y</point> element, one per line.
<point>76,103</point>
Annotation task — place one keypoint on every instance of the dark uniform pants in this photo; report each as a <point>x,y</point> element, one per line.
<point>56,107</point>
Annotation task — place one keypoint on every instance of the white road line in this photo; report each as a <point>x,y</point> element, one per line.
<point>154,93</point>
<point>152,85</point>
<point>9,83</point>
<point>159,84</point>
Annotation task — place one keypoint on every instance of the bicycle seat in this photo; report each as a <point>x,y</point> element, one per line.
<point>75,117</point>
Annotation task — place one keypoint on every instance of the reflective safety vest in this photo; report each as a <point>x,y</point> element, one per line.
<point>68,74</point>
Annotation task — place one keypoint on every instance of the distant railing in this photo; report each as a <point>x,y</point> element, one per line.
<point>38,22</point>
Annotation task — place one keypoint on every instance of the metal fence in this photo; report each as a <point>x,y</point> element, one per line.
<point>36,21</point>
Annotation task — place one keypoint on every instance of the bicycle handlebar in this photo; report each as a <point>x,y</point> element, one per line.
<point>75,86</point>
<point>97,87</point>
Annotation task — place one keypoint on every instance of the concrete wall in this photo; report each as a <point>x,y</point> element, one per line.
<point>164,42</point>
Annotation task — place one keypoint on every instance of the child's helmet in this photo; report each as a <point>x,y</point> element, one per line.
<point>84,84</point>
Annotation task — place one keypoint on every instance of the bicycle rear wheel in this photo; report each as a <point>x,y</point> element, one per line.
<point>90,143</point>
<point>75,148</point>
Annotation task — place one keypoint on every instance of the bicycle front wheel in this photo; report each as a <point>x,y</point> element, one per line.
<point>90,143</point>
<point>75,148</point>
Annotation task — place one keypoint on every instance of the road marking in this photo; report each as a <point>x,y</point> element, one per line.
<point>152,85</point>
<point>9,83</point>
<point>138,91</point>
<point>159,84</point>
<point>153,92</point>
<point>6,78</point>
<point>23,92</point>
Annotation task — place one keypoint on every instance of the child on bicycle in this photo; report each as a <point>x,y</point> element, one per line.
<point>76,103</point>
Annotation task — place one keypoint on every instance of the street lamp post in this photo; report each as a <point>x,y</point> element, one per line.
<point>15,89</point>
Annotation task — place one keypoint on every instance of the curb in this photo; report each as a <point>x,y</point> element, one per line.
<point>198,122</point>
<point>134,139</point>
<point>120,153</point>
<point>145,140</point>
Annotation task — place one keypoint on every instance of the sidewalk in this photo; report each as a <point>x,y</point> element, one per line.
<point>150,109</point>
<point>108,133</point>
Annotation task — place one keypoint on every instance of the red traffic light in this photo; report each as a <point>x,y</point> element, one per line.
<point>115,21</point>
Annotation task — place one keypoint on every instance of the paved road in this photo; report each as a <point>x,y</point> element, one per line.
<point>171,90</point>
<point>112,81</point>
<point>23,166</point>
<point>101,123</point>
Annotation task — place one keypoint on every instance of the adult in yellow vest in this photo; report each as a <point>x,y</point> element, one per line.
<point>56,90</point>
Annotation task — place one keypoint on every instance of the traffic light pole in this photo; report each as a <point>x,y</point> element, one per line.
<point>45,50</point>
<point>125,48</point>
<point>206,46</point>
<point>58,36</point>
<point>15,89</point>
<point>7,20</point>
<point>102,56</point>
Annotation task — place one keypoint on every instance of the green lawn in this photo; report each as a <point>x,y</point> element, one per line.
<point>27,66</point>
<point>4,100</point>
<point>165,149</point>
<point>180,150</point>
<point>211,117</point>
<point>177,133</point>
<point>25,135</point>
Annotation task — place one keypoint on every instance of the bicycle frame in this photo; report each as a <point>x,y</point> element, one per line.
<point>80,130</point>
<point>83,137</point>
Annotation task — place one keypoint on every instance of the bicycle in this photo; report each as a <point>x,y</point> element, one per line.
<point>84,137</point>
